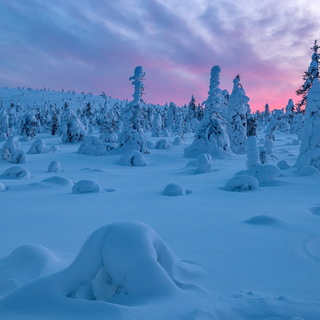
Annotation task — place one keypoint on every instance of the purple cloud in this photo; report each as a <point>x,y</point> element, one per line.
<point>95,46</point>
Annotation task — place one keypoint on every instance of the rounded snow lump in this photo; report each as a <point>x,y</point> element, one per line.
<point>242,183</point>
<point>263,220</point>
<point>16,173</point>
<point>173,189</point>
<point>59,181</point>
<point>133,158</point>
<point>2,187</point>
<point>54,166</point>
<point>283,165</point>
<point>204,163</point>
<point>309,171</point>
<point>86,186</point>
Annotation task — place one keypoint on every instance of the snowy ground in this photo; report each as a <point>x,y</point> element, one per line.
<point>266,267</point>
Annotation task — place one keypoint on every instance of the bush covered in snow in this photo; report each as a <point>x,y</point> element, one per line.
<point>18,156</point>
<point>204,163</point>
<point>54,166</point>
<point>92,146</point>
<point>86,186</point>
<point>11,144</point>
<point>133,158</point>
<point>178,141</point>
<point>242,183</point>
<point>173,189</point>
<point>283,165</point>
<point>162,144</point>
<point>37,147</point>
<point>16,173</point>
<point>263,172</point>
<point>2,187</point>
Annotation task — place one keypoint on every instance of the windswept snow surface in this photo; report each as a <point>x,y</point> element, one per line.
<point>209,255</point>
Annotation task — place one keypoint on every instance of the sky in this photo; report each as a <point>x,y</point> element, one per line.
<point>94,46</point>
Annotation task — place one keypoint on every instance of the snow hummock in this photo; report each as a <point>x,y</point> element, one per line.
<point>133,158</point>
<point>173,189</point>
<point>15,173</point>
<point>54,166</point>
<point>86,186</point>
<point>204,163</point>
<point>242,183</point>
<point>263,172</point>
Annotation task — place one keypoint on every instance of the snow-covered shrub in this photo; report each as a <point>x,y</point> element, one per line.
<point>92,146</point>
<point>283,165</point>
<point>54,166</point>
<point>150,145</point>
<point>173,189</point>
<point>9,146</point>
<point>2,187</point>
<point>178,141</point>
<point>86,186</point>
<point>54,148</point>
<point>37,147</point>
<point>18,156</point>
<point>204,163</point>
<point>242,183</point>
<point>263,172</point>
<point>162,144</point>
<point>309,171</point>
<point>133,158</point>
<point>15,173</point>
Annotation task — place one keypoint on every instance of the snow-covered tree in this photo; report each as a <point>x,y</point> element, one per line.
<point>236,117</point>
<point>310,144</point>
<point>132,136</point>
<point>28,126</point>
<point>309,76</point>
<point>74,130</point>
<point>211,136</point>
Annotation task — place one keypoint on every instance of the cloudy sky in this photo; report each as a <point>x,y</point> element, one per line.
<point>94,45</point>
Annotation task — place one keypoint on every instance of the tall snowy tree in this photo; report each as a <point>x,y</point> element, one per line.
<point>236,117</point>
<point>309,76</point>
<point>211,136</point>
<point>310,144</point>
<point>132,136</point>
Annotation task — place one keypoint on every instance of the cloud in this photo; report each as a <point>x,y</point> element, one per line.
<point>95,46</point>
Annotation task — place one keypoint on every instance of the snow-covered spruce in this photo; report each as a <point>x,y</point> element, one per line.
<point>54,166</point>
<point>211,136</point>
<point>310,143</point>
<point>121,263</point>
<point>132,136</point>
<point>15,173</point>
<point>74,130</point>
<point>86,186</point>
<point>173,189</point>
<point>37,147</point>
<point>11,144</point>
<point>204,163</point>
<point>133,158</point>
<point>252,143</point>
<point>236,117</point>
<point>242,183</point>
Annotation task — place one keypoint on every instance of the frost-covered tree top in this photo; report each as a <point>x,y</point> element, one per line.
<point>214,101</point>
<point>290,107</point>
<point>310,75</point>
<point>138,85</point>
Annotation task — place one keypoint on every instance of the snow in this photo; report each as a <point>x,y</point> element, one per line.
<point>211,254</point>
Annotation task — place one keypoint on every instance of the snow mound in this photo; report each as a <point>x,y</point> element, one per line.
<point>283,165</point>
<point>173,189</point>
<point>315,211</point>
<point>242,183</point>
<point>11,144</point>
<point>263,220</point>
<point>38,147</point>
<point>58,181</point>
<point>86,186</point>
<point>92,146</point>
<point>16,173</point>
<point>133,158</point>
<point>24,264</point>
<point>54,148</point>
<point>263,172</point>
<point>178,141</point>
<point>310,158</point>
<point>54,166</point>
<point>18,156</point>
<point>309,171</point>
<point>204,163</point>
<point>163,144</point>
<point>123,264</point>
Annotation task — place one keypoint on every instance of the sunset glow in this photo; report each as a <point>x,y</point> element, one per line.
<point>86,46</point>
